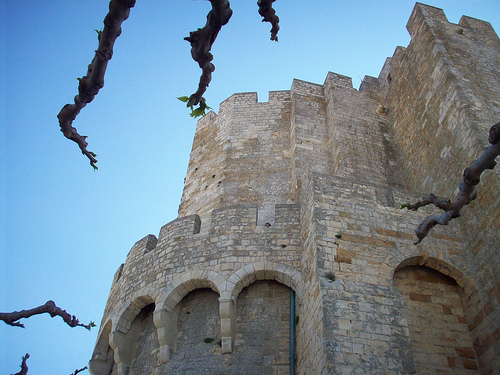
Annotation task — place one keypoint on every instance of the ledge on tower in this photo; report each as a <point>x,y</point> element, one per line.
<point>182,226</point>
<point>144,245</point>
<point>234,218</point>
<point>337,81</point>
<point>306,88</point>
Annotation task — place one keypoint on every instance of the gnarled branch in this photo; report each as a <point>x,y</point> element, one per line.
<point>266,10</point>
<point>471,177</point>
<point>24,366</point>
<point>201,42</point>
<point>93,81</point>
<point>50,308</point>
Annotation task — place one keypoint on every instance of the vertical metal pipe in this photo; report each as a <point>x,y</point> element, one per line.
<point>292,332</point>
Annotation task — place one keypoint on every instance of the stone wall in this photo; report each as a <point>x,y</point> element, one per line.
<point>442,98</point>
<point>247,142</point>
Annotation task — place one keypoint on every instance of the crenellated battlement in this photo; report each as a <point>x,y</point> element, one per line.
<point>182,233</point>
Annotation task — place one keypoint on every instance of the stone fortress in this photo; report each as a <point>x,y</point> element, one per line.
<point>290,253</point>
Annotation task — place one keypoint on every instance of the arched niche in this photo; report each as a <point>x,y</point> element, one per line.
<point>125,335</point>
<point>145,347</point>
<point>168,306</point>
<point>438,312</point>
<point>102,361</point>
<point>262,328</point>
<point>197,344</point>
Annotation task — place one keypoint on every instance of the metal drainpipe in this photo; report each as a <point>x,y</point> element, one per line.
<point>292,332</point>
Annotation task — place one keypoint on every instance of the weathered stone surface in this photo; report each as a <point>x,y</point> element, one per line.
<point>302,193</point>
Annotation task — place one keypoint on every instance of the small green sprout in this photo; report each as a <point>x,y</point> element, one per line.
<point>99,33</point>
<point>195,112</point>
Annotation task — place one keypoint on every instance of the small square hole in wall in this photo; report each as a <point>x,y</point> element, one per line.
<point>389,78</point>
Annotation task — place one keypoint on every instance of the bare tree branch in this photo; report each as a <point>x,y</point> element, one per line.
<point>79,370</point>
<point>471,177</point>
<point>266,10</point>
<point>93,81</point>
<point>24,366</point>
<point>201,42</point>
<point>50,308</point>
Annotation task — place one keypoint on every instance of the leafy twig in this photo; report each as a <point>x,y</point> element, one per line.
<point>195,112</point>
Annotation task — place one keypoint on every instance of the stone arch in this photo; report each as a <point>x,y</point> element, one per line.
<point>102,361</point>
<point>433,258</point>
<point>166,311</point>
<point>123,338</point>
<point>240,279</point>
<point>442,266</point>
<point>262,271</point>
<point>437,299</point>
<point>466,283</point>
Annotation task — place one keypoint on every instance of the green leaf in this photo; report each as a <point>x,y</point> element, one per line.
<point>197,112</point>
<point>183,99</point>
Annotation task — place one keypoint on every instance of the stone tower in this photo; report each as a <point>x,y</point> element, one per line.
<point>290,253</point>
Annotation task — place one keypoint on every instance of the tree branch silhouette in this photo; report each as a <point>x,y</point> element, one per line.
<point>467,188</point>
<point>93,81</point>
<point>201,42</point>
<point>79,370</point>
<point>24,366</point>
<point>266,10</point>
<point>50,308</point>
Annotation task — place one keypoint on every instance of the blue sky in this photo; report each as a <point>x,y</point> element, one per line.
<point>65,229</point>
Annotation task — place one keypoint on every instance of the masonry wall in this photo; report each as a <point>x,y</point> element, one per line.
<point>299,196</point>
<point>247,142</point>
<point>442,99</point>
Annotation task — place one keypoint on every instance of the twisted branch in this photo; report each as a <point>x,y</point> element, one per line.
<point>201,42</point>
<point>471,177</point>
<point>24,366</point>
<point>50,308</point>
<point>93,81</point>
<point>266,10</point>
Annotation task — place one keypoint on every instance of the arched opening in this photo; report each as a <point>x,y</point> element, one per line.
<point>197,346</point>
<point>437,321</point>
<point>262,339</point>
<point>102,361</point>
<point>145,352</point>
